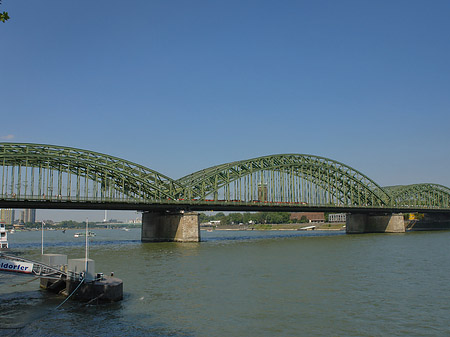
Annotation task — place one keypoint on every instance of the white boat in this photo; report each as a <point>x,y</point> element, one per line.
<point>80,234</point>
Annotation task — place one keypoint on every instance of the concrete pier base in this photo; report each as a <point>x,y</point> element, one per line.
<point>174,226</point>
<point>108,289</point>
<point>365,223</point>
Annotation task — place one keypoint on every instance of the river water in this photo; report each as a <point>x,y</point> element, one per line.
<point>259,283</point>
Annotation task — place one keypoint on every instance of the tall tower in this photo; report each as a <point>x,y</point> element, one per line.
<point>262,192</point>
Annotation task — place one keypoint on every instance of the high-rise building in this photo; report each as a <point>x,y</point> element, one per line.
<point>7,215</point>
<point>28,216</point>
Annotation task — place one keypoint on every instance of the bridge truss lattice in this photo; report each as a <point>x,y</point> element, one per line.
<point>47,172</point>
<point>63,175</point>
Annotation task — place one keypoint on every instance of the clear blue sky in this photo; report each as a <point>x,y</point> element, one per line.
<point>178,86</point>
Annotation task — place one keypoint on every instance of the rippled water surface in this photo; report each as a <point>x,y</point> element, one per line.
<point>243,284</point>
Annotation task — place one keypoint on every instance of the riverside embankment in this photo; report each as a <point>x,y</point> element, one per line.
<point>278,227</point>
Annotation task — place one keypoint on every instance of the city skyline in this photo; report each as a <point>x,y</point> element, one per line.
<point>61,215</point>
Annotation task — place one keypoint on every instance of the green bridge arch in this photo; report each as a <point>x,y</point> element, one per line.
<point>287,178</point>
<point>36,171</point>
<point>420,195</point>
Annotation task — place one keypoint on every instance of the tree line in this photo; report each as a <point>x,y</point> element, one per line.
<point>254,218</point>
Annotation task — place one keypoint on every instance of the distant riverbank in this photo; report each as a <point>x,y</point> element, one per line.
<point>278,227</point>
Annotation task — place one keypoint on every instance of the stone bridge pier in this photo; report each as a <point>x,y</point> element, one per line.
<point>170,226</point>
<point>367,223</point>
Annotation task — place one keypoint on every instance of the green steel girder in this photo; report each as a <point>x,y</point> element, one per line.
<point>420,195</point>
<point>337,178</point>
<point>121,175</point>
<point>29,171</point>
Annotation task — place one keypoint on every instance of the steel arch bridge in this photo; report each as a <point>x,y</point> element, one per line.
<point>47,176</point>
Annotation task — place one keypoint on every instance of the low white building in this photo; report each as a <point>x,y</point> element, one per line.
<point>338,217</point>
<point>3,236</point>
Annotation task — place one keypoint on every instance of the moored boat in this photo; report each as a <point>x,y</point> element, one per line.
<point>82,234</point>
